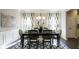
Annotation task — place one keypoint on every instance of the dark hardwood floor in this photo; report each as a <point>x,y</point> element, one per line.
<point>72,43</point>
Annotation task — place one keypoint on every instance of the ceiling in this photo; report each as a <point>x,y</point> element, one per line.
<point>43,10</point>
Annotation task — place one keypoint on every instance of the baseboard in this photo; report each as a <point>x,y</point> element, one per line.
<point>13,43</point>
<point>71,38</point>
<point>63,38</point>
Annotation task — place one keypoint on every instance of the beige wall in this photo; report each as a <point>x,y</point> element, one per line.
<point>71,23</point>
<point>73,14</point>
<point>10,18</point>
<point>78,23</point>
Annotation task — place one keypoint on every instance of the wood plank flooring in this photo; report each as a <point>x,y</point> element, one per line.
<point>72,43</point>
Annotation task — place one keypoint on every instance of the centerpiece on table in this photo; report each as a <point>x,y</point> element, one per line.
<point>40,29</point>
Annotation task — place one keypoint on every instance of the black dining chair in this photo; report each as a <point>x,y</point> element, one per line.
<point>55,36</point>
<point>20,34</point>
<point>25,37</point>
<point>33,38</point>
<point>45,28</point>
<point>47,37</point>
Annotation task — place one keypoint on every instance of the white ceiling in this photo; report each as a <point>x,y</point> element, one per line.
<point>43,10</point>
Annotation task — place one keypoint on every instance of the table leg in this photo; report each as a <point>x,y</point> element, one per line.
<point>22,42</point>
<point>29,43</point>
<point>43,44</point>
<point>37,44</point>
<point>52,41</point>
<point>50,44</point>
<point>58,40</point>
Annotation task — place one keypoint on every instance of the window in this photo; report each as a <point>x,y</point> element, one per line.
<point>28,23</point>
<point>53,22</point>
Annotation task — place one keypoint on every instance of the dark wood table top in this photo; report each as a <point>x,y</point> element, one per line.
<point>40,33</point>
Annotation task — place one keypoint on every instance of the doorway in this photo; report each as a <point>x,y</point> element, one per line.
<point>71,24</point>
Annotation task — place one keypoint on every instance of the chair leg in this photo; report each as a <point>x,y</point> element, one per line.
<point>50,44</point>
<point>36,44</point>
<point>43,44</point>
<point>29,44</point>
<point>22,42</point>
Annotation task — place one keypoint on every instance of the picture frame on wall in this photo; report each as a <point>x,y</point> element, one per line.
<point>8,21</point>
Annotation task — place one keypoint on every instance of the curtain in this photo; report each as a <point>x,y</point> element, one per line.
<point>54,21</point>
<point>26,21</point>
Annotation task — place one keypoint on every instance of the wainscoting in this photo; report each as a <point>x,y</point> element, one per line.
<point>7,37</point>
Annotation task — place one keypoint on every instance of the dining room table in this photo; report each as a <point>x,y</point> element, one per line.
<point>57,34</point>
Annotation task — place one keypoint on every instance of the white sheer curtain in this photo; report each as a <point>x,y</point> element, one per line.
<point>26,22</point>
<point>53,21</point>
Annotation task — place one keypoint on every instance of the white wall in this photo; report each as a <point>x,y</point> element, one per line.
<point>63,25</point>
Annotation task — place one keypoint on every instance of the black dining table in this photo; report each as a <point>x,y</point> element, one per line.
<point>40,34</point>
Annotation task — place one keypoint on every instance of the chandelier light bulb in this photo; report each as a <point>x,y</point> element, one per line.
<point>39,17</point>
<point>43,17</point>
<point>36,17</point>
